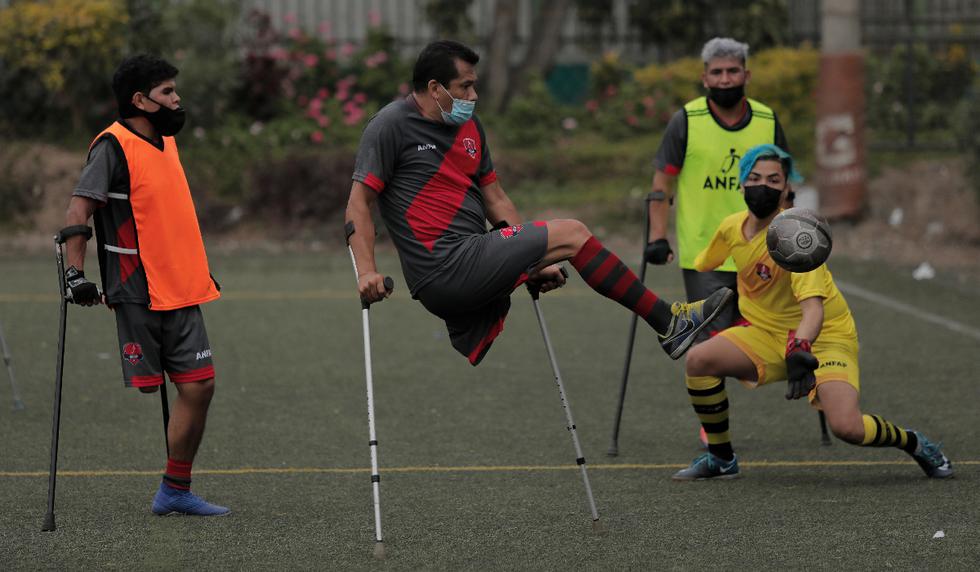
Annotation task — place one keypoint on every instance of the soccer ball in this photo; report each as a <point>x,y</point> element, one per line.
<point>799,240</point>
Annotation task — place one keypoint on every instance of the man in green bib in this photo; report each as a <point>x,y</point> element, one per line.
<point>701,149</point>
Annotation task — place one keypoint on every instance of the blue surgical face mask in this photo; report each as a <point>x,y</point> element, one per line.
<point>461,112</point>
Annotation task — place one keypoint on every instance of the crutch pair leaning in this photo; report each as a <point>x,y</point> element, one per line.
<point>379,549</point>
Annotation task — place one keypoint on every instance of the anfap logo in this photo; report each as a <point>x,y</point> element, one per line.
<point>470,146</point>
<point>763,271</point>
<point>133,353</point>
<point>511,231</point>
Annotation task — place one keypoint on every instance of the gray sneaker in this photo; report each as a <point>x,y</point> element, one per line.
<point>690,319</point>
<point>708,466</point>
<point>930,457</point>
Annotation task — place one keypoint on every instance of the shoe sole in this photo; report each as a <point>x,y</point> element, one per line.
<point>176,513</point>
<point>686,345</point>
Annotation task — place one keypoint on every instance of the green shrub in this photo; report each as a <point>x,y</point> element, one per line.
<point>55,60</point>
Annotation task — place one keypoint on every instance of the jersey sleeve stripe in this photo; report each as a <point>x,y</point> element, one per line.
<point>672,170</point>
<point>488,178</point>
<point>370,180</point>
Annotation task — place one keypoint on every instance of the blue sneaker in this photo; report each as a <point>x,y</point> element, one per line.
<point>930,457</point>
<point>708,466</point>
<point>169,501</point>
<point>690,319</point>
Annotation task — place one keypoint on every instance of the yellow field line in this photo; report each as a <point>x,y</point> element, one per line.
<point>461,469</point>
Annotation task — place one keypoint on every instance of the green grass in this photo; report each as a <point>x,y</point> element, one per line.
<point>287,344</point>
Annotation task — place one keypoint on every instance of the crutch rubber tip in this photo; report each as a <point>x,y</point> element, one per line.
<point>379,550</point>
<point>49,525</point>
<point>19,405</point>
<point>598,528</point>
<point>613,452</point>
<point>825,440</point>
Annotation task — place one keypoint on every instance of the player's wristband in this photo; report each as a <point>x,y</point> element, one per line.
<point>798,344</point>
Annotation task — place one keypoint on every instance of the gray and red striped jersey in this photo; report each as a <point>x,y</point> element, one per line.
<point>428,176</point>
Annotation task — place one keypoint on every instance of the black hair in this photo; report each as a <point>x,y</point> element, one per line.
<point>142,73</point>
<point>438,61</point>
<point>785,162</point>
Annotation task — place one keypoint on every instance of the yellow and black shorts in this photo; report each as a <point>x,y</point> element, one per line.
<point>838,357</point>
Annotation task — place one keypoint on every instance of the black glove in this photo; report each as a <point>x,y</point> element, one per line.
<point>657,251</point>
<point>800,365</point>
<point>80,290</point>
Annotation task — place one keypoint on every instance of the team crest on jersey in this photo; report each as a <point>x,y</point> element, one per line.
<point>470,146</point>
<point>133,353</point>
<point>763,271</point>
<point>511,231</point>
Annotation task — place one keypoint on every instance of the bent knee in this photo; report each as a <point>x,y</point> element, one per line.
<point>700,362</point>
<point>569,232</point>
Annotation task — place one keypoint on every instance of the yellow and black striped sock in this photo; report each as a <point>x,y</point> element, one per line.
<point>879,432</point>
<point>710,402</point>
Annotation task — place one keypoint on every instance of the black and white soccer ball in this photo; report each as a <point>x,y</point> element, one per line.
<point>799,239</point>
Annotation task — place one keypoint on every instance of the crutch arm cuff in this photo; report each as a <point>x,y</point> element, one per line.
<point>348,230</point>
<point>659,196</point>
<point>74,230</point>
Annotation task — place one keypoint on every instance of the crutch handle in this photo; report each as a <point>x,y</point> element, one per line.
<point>389,284</point>
<point>535,290</point>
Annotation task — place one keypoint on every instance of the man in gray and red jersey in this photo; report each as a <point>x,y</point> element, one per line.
<point>425,159</point>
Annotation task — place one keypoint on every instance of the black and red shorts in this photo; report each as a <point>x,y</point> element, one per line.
<point>473,294</point>
<point>171,341</point>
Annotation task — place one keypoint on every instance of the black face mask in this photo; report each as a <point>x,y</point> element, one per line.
<point>167,122</point>
<point>762,200</point>
<point>727,97</point>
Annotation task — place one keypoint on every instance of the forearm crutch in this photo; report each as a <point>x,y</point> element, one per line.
<point>614,444</point>
<point>579,457</point>
<point>59,240</point>
<point>389,284</point>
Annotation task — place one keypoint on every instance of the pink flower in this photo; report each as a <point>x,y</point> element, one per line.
<point>374,18</point>
<point>648,101</point>
<point>289,18</point>
<point>295,33</point>
<point>316,136</point>
<point>376,59</point>
<point>611,90</point>
<point>403,88</point>
<point>310,60</point>
<point>330,54</point>
<point>347,49</point>
<point>322,93</point>
<point>592,105</point>
<point>360,97</point>
<point>278,53</point>
<point>323,121</point>
<point>325,28</point>
<point>341,94</point>
<point>632,121</point>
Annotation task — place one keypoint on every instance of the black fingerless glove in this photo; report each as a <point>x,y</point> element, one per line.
<point>80,290</point>
<point>657,251</point>
<point>800,365</point>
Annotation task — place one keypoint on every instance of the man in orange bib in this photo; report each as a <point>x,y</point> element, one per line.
<point>153,266</point>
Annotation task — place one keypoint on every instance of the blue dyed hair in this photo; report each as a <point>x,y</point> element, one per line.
<point>771,152</point>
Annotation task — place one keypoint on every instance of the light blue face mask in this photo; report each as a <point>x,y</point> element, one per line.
<point>461,112</point>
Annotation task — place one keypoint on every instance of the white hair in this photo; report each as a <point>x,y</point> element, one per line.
<point>725,48</point>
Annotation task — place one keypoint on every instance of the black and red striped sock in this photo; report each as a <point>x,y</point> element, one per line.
<point>607,275</point>
<point>178,474</point>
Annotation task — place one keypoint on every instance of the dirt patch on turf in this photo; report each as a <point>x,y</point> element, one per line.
<point>924,211</point>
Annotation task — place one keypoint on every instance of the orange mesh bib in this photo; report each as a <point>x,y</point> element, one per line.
<point>169,240</point>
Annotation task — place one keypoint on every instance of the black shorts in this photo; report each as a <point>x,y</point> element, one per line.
<point>700,285</point>
<point>473,295</point>
<point>171,341</point>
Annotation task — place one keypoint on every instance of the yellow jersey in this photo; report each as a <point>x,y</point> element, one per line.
<point>769,296</point>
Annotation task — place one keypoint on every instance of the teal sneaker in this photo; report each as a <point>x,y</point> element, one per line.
<point>930,457</point>
<point>690,319</point>
<point>169,501</point>
<point>708,466</point>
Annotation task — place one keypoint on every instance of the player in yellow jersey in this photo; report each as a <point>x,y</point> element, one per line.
<point>800,330</point>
